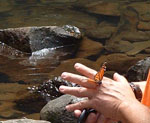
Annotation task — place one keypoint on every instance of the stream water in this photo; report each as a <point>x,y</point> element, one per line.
<point>15,75</point>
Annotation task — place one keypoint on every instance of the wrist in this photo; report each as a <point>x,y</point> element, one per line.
<point>141,85</point>
<point>137,91</point>
<point>134,112</point>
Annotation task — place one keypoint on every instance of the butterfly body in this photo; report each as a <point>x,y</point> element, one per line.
<point>99,76</point>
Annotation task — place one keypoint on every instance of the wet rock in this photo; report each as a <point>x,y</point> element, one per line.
<point>54,111</point>
<point>128,20</point>
<point>5,6</point>
<point>16,38</point>
<point>49,90</point>
<point>29,39</point>
<point>127,25</point>
<point>59,1</point>
<point>11,52</point>
<point>135,36</point>
<point>138,47</point>
<point>48,37</point>
<point>147,50</point>
<point>117,60</point>
<point>119,46</point>
<point>139,71</point>
<point>101,31</point>
<point>144,26</point>
<point>29,104</point>
<point>127,31</point>
<point>7,95</point>
<point>88,47</point>
<point>105,8</point>
<point>143,9</point>
<point>24,121</point>
<point>7,112</point>
<point>55,55</point>
<point>10,114</point>
<point>145,17</point>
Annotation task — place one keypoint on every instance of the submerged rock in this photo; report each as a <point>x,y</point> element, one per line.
<point>127,31</point>
<point>88,48</point>
<point>138,47</point>
<point>144,26</point>
<point>105,8</point>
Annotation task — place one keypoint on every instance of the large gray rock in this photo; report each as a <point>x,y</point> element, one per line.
<point>55,111</point>
<point>42,44</point>
<point>139,71</point>
<point>30,39</point>
<point>48,37</point>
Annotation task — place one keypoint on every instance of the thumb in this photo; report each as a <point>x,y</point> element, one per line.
<point>119,78</point>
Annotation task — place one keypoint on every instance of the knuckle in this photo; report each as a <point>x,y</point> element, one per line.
<point>81,103</point>
<point>80,90</point>
<point>83,79</point>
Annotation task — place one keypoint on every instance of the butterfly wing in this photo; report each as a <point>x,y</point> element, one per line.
<point>99,76</point>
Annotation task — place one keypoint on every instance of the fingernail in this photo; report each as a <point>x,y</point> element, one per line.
<point>76,65</point>
<point>61,88</point>
<point>117,74</point>
<point>67,108</point>
<point>63,75</point>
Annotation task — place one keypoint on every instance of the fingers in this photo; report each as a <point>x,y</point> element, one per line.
<point>106,79</point>
<point>79,105</point>
<point>90,73</point>
<point>77,91</point>
<point>92,118</point>
<point>78,79</point>
<point>77,113</point>
<point>119,78</point>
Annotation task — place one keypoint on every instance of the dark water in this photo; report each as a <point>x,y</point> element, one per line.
<point>15,74</point>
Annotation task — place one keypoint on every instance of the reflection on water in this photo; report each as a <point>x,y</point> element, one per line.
<point>97,22</point>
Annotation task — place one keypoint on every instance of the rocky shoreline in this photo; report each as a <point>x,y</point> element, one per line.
<point>119,34</point>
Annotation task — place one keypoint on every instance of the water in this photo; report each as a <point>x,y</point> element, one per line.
<point>16,74</point>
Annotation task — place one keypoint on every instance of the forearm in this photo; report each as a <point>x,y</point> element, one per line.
<point>134,112</point>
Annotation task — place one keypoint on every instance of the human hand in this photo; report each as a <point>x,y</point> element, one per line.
<point>107,98</point>
<point>95,117</point>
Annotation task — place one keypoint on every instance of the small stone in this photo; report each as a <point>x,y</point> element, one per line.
<point>88,47</point>
<point>144,26</point>
<point>104,8</point>
<point>138,47</point>
<point>147,50</point>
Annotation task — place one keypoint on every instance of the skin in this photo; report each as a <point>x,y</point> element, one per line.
<point>114,100</point>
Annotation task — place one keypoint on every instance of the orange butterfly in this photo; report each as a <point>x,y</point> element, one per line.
<point>99,75</point>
